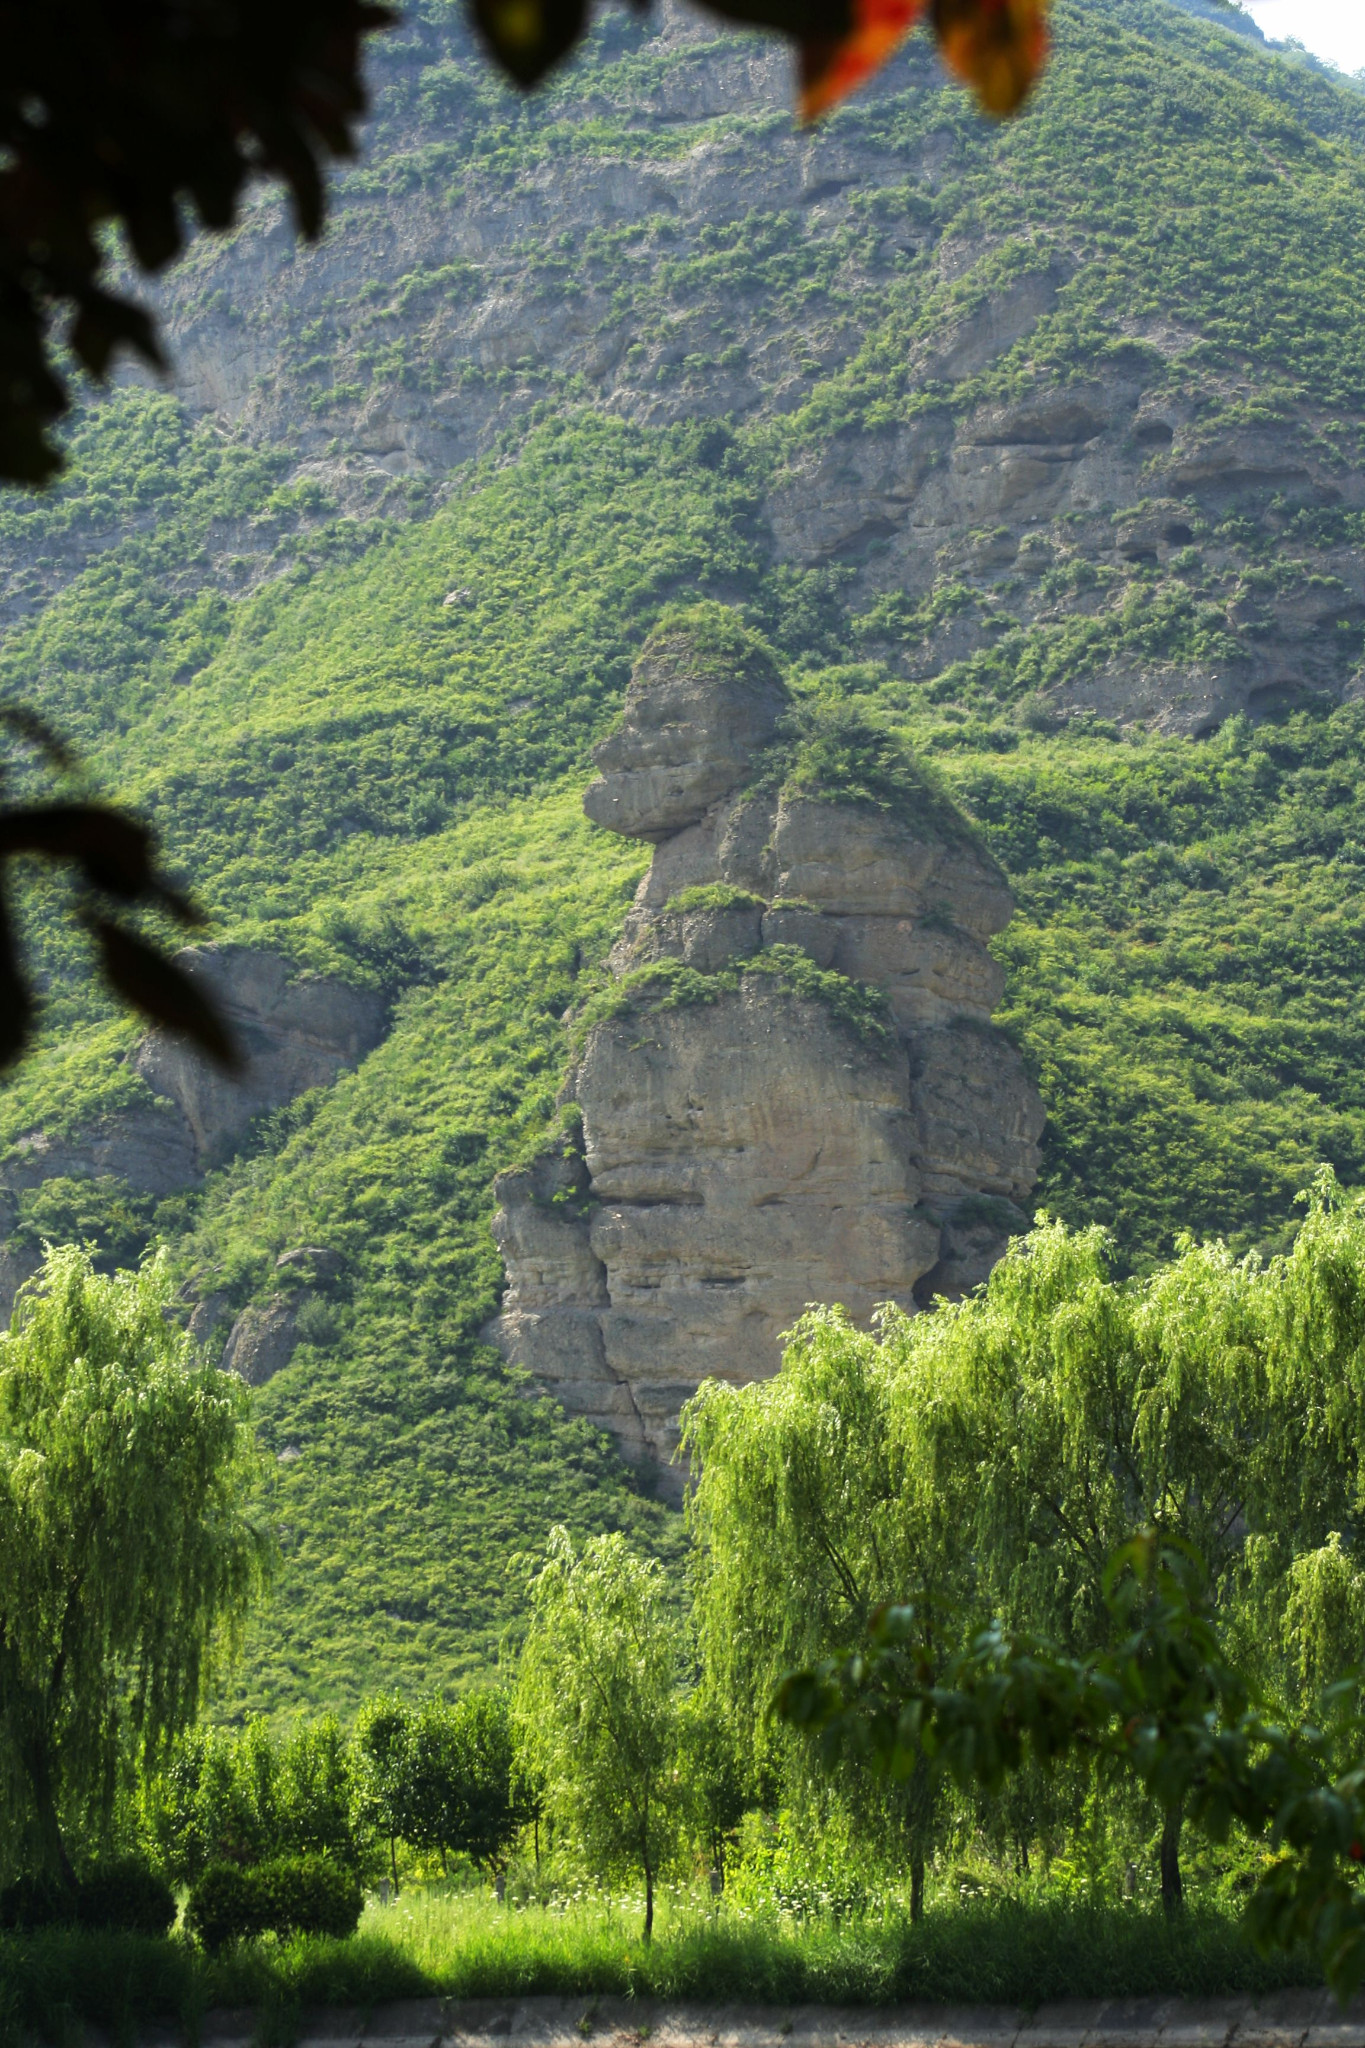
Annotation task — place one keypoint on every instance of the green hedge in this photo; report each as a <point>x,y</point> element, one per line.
<point>119,1897</point>
<point>288,1895</point>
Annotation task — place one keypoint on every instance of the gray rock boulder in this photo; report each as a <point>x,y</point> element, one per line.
<point>310,1265</point>
<point>297,1032</point>
<point>149,1145</point>
<point>261,1341</point>
<point>208,1316</point>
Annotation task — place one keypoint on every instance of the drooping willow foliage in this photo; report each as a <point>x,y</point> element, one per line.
<point>127,1552</point>
<point>985,1462</point>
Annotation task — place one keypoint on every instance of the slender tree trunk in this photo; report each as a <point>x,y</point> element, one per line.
<point>1172,1886</point>
<point>535,1823</point>
<point>920,1813</point>
<point>1023,1856</point>
<point>649,1901</point>
<point>51,1847</point>
<point>393,1862</point>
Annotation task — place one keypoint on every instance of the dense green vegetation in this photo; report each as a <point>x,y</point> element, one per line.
<point>465,1947</point>
<point>385,785</point>
<point>1056,1575</point>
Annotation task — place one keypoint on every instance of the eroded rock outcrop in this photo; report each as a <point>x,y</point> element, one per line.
<point>764,1133</point>
<point>1020,497</point>
<point>296,1031</point>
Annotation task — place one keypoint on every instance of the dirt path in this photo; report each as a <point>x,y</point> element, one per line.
<point>1290,2019</point>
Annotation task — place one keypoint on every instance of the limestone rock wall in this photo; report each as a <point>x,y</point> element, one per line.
<point>750,1152</point>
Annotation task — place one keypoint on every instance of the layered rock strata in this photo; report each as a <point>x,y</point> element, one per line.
<point>752,1150</point>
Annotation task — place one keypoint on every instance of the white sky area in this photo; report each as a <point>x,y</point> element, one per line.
<point>1332,29</point>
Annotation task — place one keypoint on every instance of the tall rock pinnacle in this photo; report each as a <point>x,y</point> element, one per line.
<point>820,1111</point>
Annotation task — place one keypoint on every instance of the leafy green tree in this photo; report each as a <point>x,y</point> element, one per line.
<point>429,1804</point>
<point>714,1775</point>
<point>127,1553</point>
<point>224,1797</point>
<point>809,1514</point>
<point>597,1703</point>
<point>380,1763</point>
<point>315,1795</point>
<point>189,1811</point>
<point>495,1798</point>
<point>1040,1425</point>
<point>1219,1402</point>
<point>528,1792</point>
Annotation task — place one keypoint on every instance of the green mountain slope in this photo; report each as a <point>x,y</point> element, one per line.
<point>1042,443</point>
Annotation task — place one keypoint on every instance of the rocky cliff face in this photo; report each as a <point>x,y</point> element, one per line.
<point>296,1032</point>
<point>758,1131</point>
<point>636,243</point>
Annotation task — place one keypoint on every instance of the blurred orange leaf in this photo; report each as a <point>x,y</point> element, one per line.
<point>830,71</point>
<point>998,47</point>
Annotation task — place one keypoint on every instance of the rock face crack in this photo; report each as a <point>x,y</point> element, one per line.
<point>749,1154</point>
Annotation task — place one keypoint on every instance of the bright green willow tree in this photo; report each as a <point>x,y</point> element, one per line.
<point>1220,1401</point>
<point>127,1554</point>
<point>810,1511</point>
<point>997,1452</point>
<point>598,1700</point>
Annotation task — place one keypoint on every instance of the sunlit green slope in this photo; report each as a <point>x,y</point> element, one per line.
<point>386,786</point>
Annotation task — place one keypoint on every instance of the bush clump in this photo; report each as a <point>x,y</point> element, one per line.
<point>309,1895</point>
<point>119,1897</point>
<point>35,1901</point>
<point>288,1895</point>
<point>125,1897</point>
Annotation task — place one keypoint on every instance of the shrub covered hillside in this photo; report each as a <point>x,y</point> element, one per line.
<point>1041,443</point>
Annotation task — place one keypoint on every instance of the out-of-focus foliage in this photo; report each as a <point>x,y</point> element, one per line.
<point>117,119</point>
<point>1163,1703</point>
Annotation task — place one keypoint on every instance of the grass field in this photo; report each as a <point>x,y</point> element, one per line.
<point>465,1945</point>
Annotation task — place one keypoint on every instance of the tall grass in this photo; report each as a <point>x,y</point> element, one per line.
<point>996,1951</point>
<point>464,1945</point>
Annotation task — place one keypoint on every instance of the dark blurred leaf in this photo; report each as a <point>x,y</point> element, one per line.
<point>804,21</point>
<point>163,992</point>
<point>115,852</point>
<point>39,735</point>
<point>527,37</point>
<point>141,114</point>
<point>102,323</point>
<point>831,69</point>
<point>16,1004</point>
